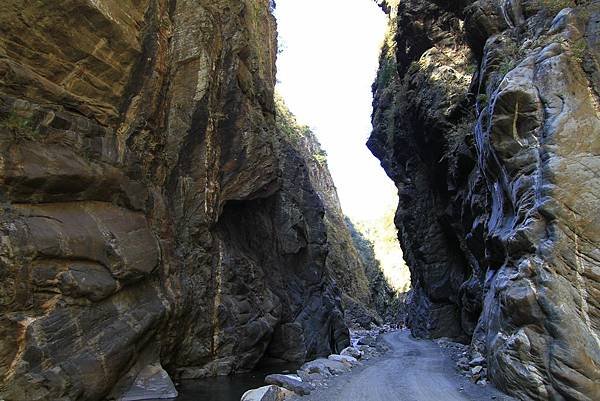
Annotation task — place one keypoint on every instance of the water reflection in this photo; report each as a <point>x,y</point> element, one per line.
<point>227,388</point>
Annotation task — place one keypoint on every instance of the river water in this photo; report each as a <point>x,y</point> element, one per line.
<point>227,388</point>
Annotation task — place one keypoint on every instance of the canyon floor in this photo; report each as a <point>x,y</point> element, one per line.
<point>412,370</point>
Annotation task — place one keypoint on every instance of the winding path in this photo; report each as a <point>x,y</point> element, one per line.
<point>413,370</point>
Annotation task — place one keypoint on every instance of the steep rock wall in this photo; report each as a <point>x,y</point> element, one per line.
<point>359,286</point>
<point>486,115</point>
<point>150,211</point>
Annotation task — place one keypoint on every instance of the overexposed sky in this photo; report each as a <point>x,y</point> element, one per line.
<point>329,58</point>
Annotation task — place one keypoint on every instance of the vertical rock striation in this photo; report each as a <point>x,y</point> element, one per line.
<point>150,211</point>
<point>486,115</point>
<point>360,281</point>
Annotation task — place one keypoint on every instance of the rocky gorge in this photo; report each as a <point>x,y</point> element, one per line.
<point>486,116</point>
<point>163,216</point>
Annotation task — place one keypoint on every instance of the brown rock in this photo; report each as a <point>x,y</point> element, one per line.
<point>150,210</point>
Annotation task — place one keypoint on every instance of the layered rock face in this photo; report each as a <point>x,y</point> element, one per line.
<point>151,212</point>
<point>486,115</point>
<point>360,281</point>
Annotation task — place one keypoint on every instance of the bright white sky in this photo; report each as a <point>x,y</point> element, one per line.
<point>329,61</point>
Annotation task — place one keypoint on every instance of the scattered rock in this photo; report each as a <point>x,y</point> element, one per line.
<point>353,352</point>
<point>368,340</point>
<point>463,363</point>
<point>476,370</point>
<point>478,359</point>
<point>292,383</point>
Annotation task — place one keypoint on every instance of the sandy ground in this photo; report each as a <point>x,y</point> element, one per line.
<point>413,370</point>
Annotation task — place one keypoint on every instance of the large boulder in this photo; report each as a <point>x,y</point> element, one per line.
<point>325,367</point>
<point>267,393</point>
<point>292,383</point>
<point>348,360</point>
<point>151,383</point>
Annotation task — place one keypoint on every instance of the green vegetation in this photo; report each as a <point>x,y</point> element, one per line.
<point>578,50</point>
<point>388,277</point>
<point>482,99</point>
<point>294,132</point>
<point>387,61</point>
<point>505,67</point>
<point>387,71</point>
<point>286,122</point>
<point>471,68</point>
<point>554,6</point>
<point>321,157</point>
<point>383,235</point>
<point>21,128</point>
<point>511,53</point>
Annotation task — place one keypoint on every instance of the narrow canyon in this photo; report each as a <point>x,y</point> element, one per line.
<point>163,212</point>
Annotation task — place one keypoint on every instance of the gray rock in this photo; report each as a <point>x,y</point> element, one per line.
<point>367,340</point>
<point>353,352</point>
<point>349,360</point>
<point>476,370</point>
<point>311,377</point>
<point>151,383</point>
<point>267,393</point>
<point>478,360</point>
<point>325,367</point>
<point>463,363</point>
<point>490,133</point>
<point>289,382</point>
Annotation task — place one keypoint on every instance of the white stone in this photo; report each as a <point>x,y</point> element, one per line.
<point>476,370</point>
<point>294,377</point>
<point>267,393</point>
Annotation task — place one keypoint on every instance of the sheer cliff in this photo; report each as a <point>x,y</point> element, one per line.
<point>151,211</point>
<point>360,281</point>
<point>486,116</point>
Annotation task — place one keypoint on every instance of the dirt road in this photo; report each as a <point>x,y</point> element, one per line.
<point>413,370</point>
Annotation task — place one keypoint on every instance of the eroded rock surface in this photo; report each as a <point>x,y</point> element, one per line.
<point>151,211</point>
<point>486,116</point>
<point>364,291</point>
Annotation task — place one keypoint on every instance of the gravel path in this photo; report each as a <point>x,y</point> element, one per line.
<point>413,370</point>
